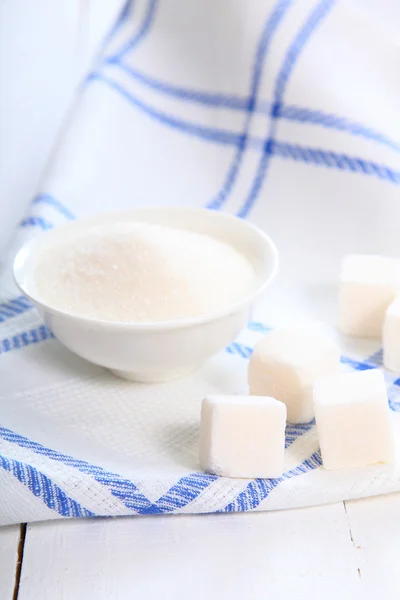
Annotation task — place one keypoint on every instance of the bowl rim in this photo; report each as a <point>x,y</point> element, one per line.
<point>92,322</point>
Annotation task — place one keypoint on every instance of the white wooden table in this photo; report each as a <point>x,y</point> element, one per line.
<point>347,550</point>
<point>342,551</point>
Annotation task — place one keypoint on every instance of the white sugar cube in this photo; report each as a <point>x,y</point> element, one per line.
<point>353,420</point>
<point>368,284</point>
<point>242,436</point>
<point>285,364</point>
<point>391,337</point>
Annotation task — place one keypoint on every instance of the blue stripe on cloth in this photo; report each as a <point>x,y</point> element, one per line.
<point>257,326</point>
<point>121,488</point>
<point>51,201</point>
<point>293,432</point>
<point>331,121</point>
<point>210,134</point>
<point>285,112</point>
<point>26,338</point>
<point>241,144</point>
<point>138,37</point>
<point>38,221</point>
<point>356,364</point>
<point>120,21</point>
<point>239,349</point>
<point>307,155</point>
<point>189,487</point>
<point>292,55</point>
<point>213,99</point>
<point>185,491</point>
<point>259,489</point>
<point>331,160</point>
<point>295,49</point>
<point>43,488</point>
<point>14,307</point>
<point>394,396</point>
<point>376,358</point>
<point>182,493</point>
<point>394,403</point>
<point>42,333</point>
<point>5,314</point>
<point>35,221</point>
<point>269,30</point>
<point>21,303</point>
<point>288,112</point>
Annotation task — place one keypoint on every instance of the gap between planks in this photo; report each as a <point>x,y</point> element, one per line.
<point>9,541</point>
<point>351,535</point>
<point>374,525</point>
<point>20,558</point>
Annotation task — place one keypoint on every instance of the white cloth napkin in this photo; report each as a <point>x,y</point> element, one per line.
<point>282,112</point>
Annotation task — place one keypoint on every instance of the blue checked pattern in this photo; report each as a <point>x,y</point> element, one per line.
<point>287,151</point>
<point>276,109</point>
<point>280,86</point>
<point>283,112</point>
<point>262,49</point>
<point>188,488</point>
<point>185,491</point>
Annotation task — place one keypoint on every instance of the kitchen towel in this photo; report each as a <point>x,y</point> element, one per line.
<point>281,112</point>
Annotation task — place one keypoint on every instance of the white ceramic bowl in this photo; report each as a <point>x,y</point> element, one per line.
<point>154,351</point>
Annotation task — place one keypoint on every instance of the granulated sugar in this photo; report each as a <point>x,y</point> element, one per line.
<point>141,272</point>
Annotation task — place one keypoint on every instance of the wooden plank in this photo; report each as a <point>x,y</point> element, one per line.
<point>305,553</point>
<point>375,531</point>
<point>9,552</point>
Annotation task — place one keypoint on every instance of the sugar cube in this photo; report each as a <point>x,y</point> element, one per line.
<point>353,420</point>
<point>391,337</point>
<point>285,364</point>
<point>242,436</point>
<point>368,284</point>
